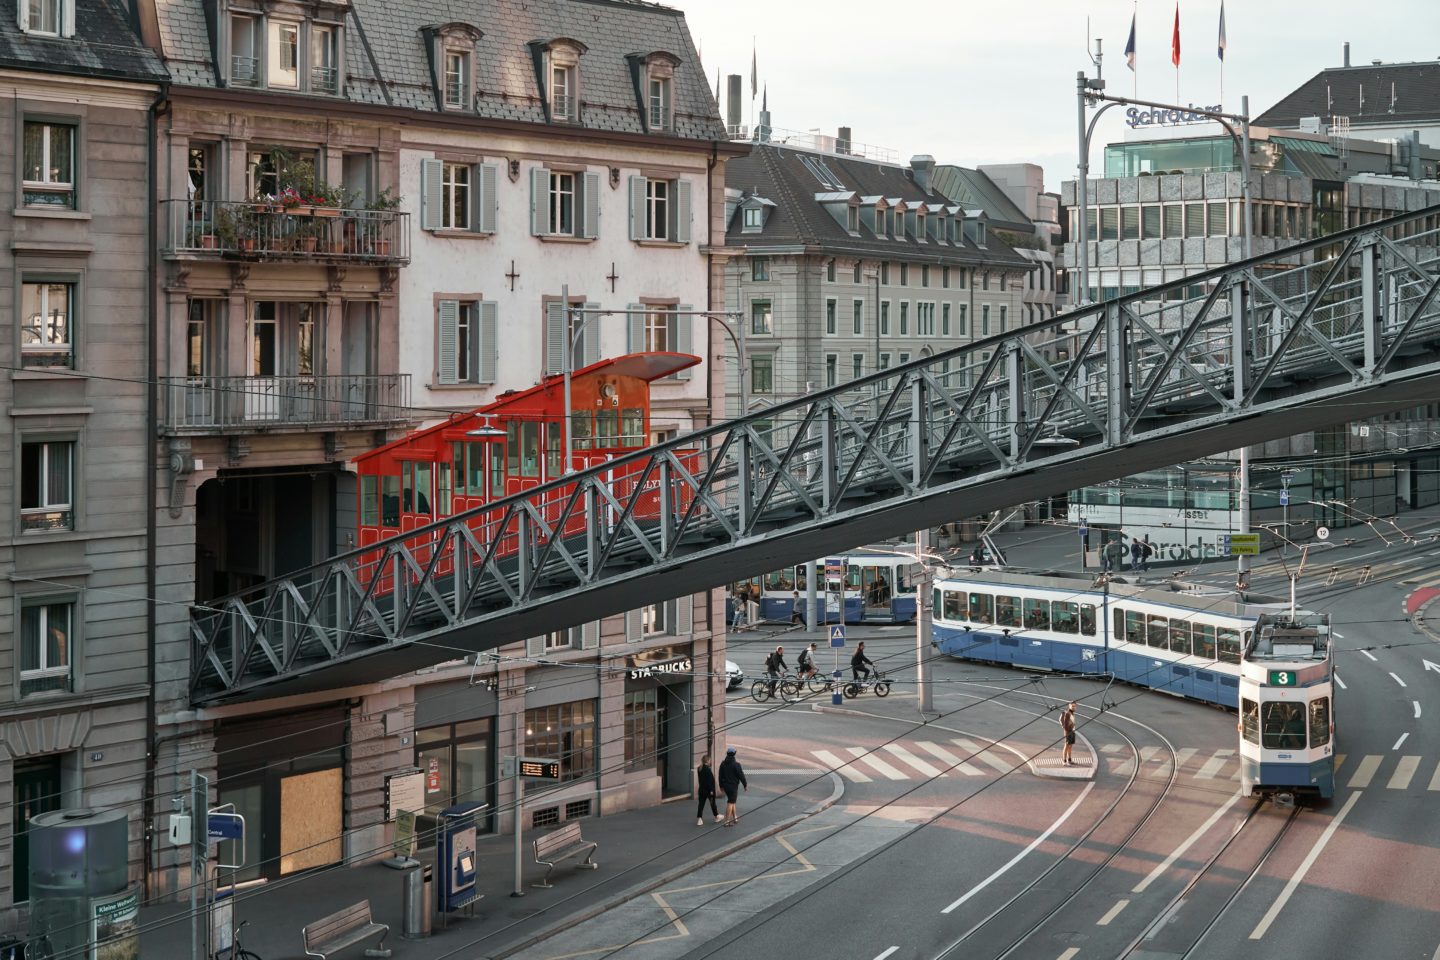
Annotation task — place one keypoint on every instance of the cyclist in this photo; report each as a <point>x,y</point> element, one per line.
<point>775,668</point>
<point>858,668</point>
<point>805,663</point>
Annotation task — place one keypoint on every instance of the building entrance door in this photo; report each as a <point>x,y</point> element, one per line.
<point>37,791</point>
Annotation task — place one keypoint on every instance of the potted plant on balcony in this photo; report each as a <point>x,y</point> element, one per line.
<point>229,225</point>
<point>386,201</point>
<point>201,235</point>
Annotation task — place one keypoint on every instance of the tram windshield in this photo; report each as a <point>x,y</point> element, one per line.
<point>1282,725</point>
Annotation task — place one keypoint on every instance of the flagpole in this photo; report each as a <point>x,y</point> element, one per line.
<point>1134,70</point>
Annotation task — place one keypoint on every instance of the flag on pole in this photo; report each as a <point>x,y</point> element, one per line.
<point>1175,40</point>
<point>1221,49</point>
<point>1130,45</point>
<point>755,75</point>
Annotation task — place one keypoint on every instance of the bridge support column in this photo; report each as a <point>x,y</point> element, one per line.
<point>1372,304</point>
<point>1014,373</point>
<point>1117,371</point>
<point>1240,327</point>
<point>919,430</point>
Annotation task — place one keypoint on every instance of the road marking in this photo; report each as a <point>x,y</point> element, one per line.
<point>1182,757</point>
<point>1435,780</point>
<point>1339,636</point>
<point>1339,759</point>
<point>1179,851</point>
<point>1417,708</point>
<point>1304,868</point>
<point>1396,679</point>
<point>775,771</point>
<point>1403,737</point>
<point>954,762</point>
<point>983,754</point>
<point>1364,772</point>
<point>1111,747</point>
<point>1213,765</point>
<point>882,956</point>
<point>914,761</point>
<point>1404,770</point>
<point>1148,753</point>
<point>842,767</point>
<point>1369,654</point>
<point>1340,683</point>
<point>1068,954</point>
<point>1112,913</point>
<point>1023,853</point>
<point>861,754</point>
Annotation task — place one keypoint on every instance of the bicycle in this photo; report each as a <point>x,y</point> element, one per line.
<point>875,681</point>
<point>237,949</point>
<point>766,687</point>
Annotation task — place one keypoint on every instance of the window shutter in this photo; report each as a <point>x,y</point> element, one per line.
<point>20,19</point>
<point>591,200</point>
<point>635,328</point>
<point>539,201</point>
<point>632,626</point>
<point>637,208</point>
<point>682,211</point>
<point>432,195</point>
<point>446,340</point>
<point>684,615</point>
<point>555,344</point>
<point>482,218</point>
<point>684,332</point>
<point>535,647</point>
<point>590,635</point>
<point>590,337</point>
<point>489,341</point>
<point>67,17</point>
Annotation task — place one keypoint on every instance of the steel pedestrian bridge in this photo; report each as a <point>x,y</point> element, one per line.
<point>1339,328</point>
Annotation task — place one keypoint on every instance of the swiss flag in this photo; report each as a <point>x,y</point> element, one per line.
<point>1175,39</point>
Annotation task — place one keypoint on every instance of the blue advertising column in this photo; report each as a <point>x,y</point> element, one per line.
<point>455,856</point>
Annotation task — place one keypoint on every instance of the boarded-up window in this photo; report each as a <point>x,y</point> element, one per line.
<point>310,820</point>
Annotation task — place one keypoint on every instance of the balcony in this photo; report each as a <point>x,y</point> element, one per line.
<point>241,404</point>
<point>244,72</point>
<point>222,229</point>
<point>324,79</point>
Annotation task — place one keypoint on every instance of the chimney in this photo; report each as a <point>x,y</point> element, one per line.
<point>732,101</point>
<point>842,142</point>
<point>1347,53</point>
<point>920,168</point>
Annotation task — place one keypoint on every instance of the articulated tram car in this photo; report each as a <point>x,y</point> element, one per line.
<point>509,446</point>
<point>876,588</point>
<point>1179,643</point>
<point>1287,718</point>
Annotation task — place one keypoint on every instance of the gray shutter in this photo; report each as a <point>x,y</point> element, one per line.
<point>633,626</point>
<point>489,347</point>
<point>539,201</point>
<point>67,17</point>
<point>635,328</point>
<point>637,208</point>
<point>535,647</point>
<point>590,635</point>
<point>446,341</point>
<point>682,211</point>
<point>684,334</point>
<point>432,194</point>
<point>591,201</point>
<point>590,337</point>
<point>23,23</point>
<point>685,615</point>
<point>555,344</point>
<point>482,219</point>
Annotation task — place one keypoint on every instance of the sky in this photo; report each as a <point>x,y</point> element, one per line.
<point>993,81</point>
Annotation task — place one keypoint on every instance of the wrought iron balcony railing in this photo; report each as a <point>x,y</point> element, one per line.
<point>272,231</point>
<point>263,403</point>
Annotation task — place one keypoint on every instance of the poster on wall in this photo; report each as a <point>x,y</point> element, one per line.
<point>115,926</point>
<point>432,776</point>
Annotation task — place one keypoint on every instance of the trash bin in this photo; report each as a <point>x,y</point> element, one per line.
<point>419,908</point>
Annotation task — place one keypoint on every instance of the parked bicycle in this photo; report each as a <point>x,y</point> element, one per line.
<point>766,688</point>
<point>237,949</point>
<point>875,681</point>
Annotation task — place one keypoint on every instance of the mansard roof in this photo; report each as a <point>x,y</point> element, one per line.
<point>104,46</point>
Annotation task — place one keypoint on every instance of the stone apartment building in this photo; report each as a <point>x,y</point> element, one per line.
<point>74,665</point>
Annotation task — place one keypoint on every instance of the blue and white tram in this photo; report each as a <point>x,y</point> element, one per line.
<point>872,587</point>
<point>1179,643</point>
<point>1287,719</point>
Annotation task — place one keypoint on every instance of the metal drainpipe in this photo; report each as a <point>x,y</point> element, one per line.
<point>710,418</point>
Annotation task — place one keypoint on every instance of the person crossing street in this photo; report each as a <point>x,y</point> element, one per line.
<point>732,781</point>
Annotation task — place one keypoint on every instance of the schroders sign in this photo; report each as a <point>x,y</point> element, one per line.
<point>1136,117</point>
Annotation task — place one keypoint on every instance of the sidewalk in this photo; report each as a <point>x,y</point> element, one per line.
<point>638,851</point>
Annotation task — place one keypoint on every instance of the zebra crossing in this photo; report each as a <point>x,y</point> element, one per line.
<point>963,757</point>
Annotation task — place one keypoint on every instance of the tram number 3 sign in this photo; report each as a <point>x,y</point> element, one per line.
<point>1282,678</point>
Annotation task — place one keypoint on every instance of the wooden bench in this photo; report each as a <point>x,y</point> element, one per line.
<point>562,844</point>
<point>344,929</point>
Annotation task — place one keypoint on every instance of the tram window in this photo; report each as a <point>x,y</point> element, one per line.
<point>390,501</point>
<point>607,428</point>
<point>936,604</point>
<point>497,469</point>
<point>1250,721</point>
<point>423,490</point>
<point>800,572</point>
<point>553,442</point>
<point>530,450</point>
<point>1007,611</point>
<point>1180,637</point>
<point>1155,630</point>
<point>582,429</point>
<point>369,501</point>
<point>954,605</point>
<point>902,581</point>
<point>1229,641</point>
<point>444,492</point>
<point>1134,626</point>
<point>475,468</point>
<point>1319,721</point>
<point>1065,616</point>
<point>1204,639</point>
<point>512,443</point>
<point>779,580</point>
<point>1037,614</point>
<point>982,608</point>
<point>1282,725</point>
<point>1119,630</point>
<point>632,427</point>
<point>1087,619</point>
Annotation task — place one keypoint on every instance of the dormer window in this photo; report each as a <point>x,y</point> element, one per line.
<point>659,103</point>
<point>557,68</point>
<point>754,218</point>
<point>52,18</point>
<point>244,51</point>
<point>562,93</point>
<point>457,79</point>
<point>452,62</point>
<point>284,54</point>
<point>653,75</point>
<point>852,219</point>
<point>324,59</point>
<point>920,225</point>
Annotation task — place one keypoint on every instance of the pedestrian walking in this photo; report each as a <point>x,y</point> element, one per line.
<point>1114,553</point>
<point>1146,552</point>
<point>1067,724</point>
<point>705,788</point>
<point>740,608</point>
<point>732,781</point>
<point>795,609</point>
<point>1135,552</point>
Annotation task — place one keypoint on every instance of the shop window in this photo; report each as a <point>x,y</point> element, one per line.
<point>47,480</point>
<point>48,164</point>
<point>564,732</point>
<point>458,764</point>
<point>46,650</point>
<point>641,713</point>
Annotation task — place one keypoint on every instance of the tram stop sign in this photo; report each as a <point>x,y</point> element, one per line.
<point>837,635</point>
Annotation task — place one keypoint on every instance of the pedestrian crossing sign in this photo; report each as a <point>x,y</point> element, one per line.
<point>837,635</point>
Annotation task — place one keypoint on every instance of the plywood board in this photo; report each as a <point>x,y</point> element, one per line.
<point>310,820</point>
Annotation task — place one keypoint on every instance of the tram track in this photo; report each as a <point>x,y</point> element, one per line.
<point>1168,917</point>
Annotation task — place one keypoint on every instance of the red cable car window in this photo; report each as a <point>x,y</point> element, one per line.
<point>369,501</point>
<point>475,469</point>
<point>553,438</point>
<point>607,428</point>
<point>632,427</point>
<point>582,429</point>
<point>444,495</point>
<point>390,501</point>
<point>530,450</point>
<point>497,469</point>
<point>512,443</point>
<point>424,492</point>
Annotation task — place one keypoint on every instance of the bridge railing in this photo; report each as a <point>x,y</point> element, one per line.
<point>1349,309</point>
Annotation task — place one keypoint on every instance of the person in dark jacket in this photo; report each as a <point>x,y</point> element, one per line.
<point>1136,552</point>
<point>705,788</point>
<point>732,780</point>
<point>860,664</point>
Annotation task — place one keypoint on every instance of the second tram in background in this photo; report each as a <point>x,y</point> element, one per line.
<point>1287,714</point>
<point>872,587</point>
